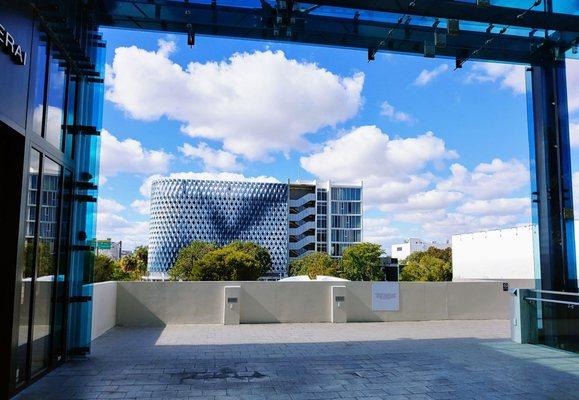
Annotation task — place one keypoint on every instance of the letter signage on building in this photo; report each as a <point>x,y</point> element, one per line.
<point>385,296</point>
<point>10,47</point>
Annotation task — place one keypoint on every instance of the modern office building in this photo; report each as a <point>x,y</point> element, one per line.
<point>289,219</point>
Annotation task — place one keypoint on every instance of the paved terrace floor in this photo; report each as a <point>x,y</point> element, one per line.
<point>407,360</point>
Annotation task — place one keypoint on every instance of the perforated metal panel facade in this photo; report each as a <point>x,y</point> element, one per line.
<point>220,212</point>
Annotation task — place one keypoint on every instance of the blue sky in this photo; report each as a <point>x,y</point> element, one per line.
<point>439,151</point>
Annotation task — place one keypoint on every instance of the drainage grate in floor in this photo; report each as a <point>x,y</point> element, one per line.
<point>222,373</point>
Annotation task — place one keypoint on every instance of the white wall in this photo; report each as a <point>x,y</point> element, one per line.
<point>104,308</point>
<point>500,254</point>
<point>164,303</point>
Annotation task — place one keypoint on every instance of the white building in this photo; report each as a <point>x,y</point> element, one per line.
<point>402,250</point>
<point>502,254</point>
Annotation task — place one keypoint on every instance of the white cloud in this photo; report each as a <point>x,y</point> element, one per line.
<point>573,85</point>
<point>110,224</point>
<point>380,231</point>
<point>512,77</point>
<point>109,206</point>
<point>426,76</point>
<point>213,159</point>
<point>257,104</point>
<point>496,207</point>
<point>457,223</point>
<point>574,133</point>
<point>385,190</point>
<point>487,180</point>
<point>367,152</point>
<point>388,110</point>
<point>141,206</point>
<point>129,156</point>
<point>426,201</point>
<point>145,188</point>
<point>508,76</point>
<point>132,233</point>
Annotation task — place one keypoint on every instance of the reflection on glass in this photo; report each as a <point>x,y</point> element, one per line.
<point>41,59</point>
<point>59,310</point>
<point>55,107</point>
<point>28,268</point>
<point>70,116</point>
<point>46,263</point>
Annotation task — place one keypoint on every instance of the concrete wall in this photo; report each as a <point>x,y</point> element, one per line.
<point>163,303</point>
<point>104,308</point>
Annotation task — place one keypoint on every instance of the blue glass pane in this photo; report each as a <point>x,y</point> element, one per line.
<point>39,87</point>
<point>55,106</point>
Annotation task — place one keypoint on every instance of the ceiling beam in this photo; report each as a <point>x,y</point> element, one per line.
<point>255,23</point>
<point>464,11</point>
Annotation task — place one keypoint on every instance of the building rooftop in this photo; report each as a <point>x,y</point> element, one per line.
<point>397,360</point>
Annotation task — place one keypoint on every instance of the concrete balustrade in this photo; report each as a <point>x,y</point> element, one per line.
<point>165,303</point>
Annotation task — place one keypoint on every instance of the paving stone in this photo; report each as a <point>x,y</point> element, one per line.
<point>370,361</point>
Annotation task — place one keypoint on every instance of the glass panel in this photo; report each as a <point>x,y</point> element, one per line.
<point>55,108</point>
<point>46,263</point>
<point>556,319</point>
<point>28,269</point>
<point>39,87</point>
<point>70,117</point>
<point>63,260</point>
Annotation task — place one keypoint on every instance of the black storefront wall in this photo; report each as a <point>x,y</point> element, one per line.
<point>48,192</point>
<point>18,24</point>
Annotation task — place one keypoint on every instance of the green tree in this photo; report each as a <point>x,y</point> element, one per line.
<point>104,268</point>
<point>314,264</point>
<point>186,259</point>
<point>443,254</point>
<point>432,265</point>
<point>260,253</point>
<point>361,262</point>
<point>226,264</point>
<point>142,254</point>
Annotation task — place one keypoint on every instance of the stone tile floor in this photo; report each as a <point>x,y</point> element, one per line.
<point>405,360</point>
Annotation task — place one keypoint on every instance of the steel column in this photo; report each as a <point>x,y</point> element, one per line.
<point>551,174</point>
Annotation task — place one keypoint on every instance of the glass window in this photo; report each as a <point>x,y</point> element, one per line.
<point>27,270</point>
<point>354,222</point>
<point>70,116</point>
<point>63,259</point>
<point>46,254</point>
<point>55,107</point>
<point>346,207</point>
<point>346,235</point>
<point>39,87</point>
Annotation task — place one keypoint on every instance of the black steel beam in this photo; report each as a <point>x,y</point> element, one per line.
<point>464,11</point>
<point>254,23</point>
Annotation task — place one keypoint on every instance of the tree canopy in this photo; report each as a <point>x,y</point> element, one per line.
<point>314,264</point>
<point>187,257</point>
<point>361,262</point>
<point>432,265</point>
<point>202,261</point>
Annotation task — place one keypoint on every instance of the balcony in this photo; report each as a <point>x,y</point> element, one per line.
<point>168,340</point>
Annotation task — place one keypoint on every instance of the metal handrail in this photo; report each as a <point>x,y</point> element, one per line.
<point>569,303</point>
<point>553,292</point>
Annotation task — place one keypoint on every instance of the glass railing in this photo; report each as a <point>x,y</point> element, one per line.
<point>557,318</point>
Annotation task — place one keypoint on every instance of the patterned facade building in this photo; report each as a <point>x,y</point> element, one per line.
<point>290,220</point>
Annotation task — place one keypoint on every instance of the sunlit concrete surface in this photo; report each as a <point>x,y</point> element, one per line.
<point>394,360</point>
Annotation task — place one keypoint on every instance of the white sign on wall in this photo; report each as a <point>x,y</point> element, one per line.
<point>385,296</point>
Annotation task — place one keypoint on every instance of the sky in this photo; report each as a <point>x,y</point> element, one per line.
<point>438,151</point>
